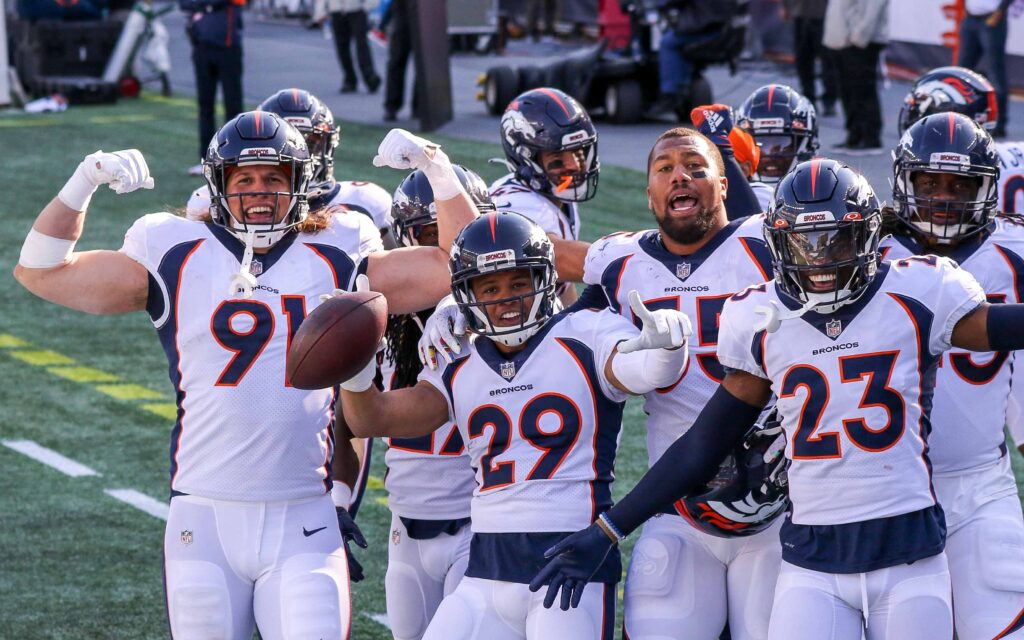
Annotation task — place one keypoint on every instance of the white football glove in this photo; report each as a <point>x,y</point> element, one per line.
<point>403,150</point>
<point>364,379</point>
<point>123,171</point>
<point>442,333</point>
<point>662,328</point>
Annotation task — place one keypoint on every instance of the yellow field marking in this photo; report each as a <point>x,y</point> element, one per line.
<point>42,358</point>
<point>83,374</point>
<point>382,501</point>
<point>373,482</point>
<point>166,410</point>
<point>131,117</point>
<point>128,391</point>
<point>10,123</point>
<point>7,341</point>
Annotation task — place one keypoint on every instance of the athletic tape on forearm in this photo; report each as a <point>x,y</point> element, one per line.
<point>649,369</point>
<point>362,380</point>
<point>41,251</point>
<point>77,191</point>
<point>443,181</point>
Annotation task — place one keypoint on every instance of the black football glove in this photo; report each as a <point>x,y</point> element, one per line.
<point>350,533</point>
<point>574,562</point>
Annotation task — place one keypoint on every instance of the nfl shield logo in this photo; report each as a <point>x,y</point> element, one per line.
<point>256,267</point>
<point>683,270</point>
<point>508,370</point>
<point>186,537</point>
<point>833,328</point>
<point>396,536</point>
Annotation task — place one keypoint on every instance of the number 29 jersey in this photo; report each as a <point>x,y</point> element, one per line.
<point>242,431</point>
<point>855,387</point>
<point>541,427</point>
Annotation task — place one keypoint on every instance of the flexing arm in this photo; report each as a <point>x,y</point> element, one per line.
<point>101,282</point>
<point>411,278</point>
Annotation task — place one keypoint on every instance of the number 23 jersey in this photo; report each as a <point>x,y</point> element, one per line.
<point>542,427</point>
<point>854,387</point>
<point>243,432</point>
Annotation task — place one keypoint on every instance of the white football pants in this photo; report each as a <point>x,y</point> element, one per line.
<point>985,547</point>
<point>683,583</point>
<point>905,602</point>
<point>493,610</point>
<point>420,574</point>
<point>280,564</point>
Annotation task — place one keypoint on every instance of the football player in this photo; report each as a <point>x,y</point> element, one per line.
<point>551,150</point>
<point>314,120</point>
<point>945,175</point>
<point>538,399</point>
<point>849,346</point>
<point>784,124</point>
<point>965,91</point>
<point>429,480</point>
<point>251,535</point>
<point>682,576</point>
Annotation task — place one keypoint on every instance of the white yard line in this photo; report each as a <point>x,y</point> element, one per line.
<point>140,501</point>
<point>50,458</point>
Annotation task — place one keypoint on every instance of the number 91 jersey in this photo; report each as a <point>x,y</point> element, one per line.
<point>243,432</point>
<point>541,427</point>
<point>855,387</point>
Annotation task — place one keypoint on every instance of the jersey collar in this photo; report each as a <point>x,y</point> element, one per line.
<point>266,260</point>
<point>494,358</point>
<point>844,314</point>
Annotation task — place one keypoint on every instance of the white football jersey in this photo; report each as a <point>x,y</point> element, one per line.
<point>365,197</point>
<point>855,387</point>
<point>1011,176</point>
<point>541,428</point>
<point>428,478</point>
<point>243,432</point>
<point>764,193</point>
<point>972,389</point>
<point>698,285</point>
<point>561,219</point>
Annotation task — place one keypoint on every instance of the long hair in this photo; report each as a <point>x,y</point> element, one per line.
<point>402,336</point>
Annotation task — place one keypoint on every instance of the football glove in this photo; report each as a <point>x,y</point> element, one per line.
<point>574,561</point>
<point>123,171</point>
<point>662,328</point>
<point>714,121</point>
<point>442,333</point>
<point>350,533</point>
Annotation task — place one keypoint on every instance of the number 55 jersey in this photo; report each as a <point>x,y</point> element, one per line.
<point>242,431</point>
<point>855,390</point>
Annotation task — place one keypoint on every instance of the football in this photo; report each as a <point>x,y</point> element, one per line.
<point>337,339</point>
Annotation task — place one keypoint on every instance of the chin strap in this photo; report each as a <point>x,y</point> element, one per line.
<point>243,282</point>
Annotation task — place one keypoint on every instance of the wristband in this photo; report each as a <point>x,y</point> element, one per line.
<point>41,251</point>
<point>609,528</point>
<point>341,494</point>
<point>363,380</point>
<point>78,190</point>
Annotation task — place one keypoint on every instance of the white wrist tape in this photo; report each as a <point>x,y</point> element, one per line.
<point>443,181</point>
<point>649,369</point>
<point>362,380</point>
<point>341,494</point>
<point>41,251</point>
<point>78,190</point>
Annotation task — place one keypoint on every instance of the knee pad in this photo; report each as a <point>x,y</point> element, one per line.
<point>198,601</point>
<point>652,566</point>
<point>408,611</point>
<point>314,596</point>
<point>999,549</point>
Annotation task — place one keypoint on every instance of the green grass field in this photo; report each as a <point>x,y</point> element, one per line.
<point>74,562</point>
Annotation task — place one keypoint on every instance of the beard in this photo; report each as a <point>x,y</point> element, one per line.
<point>690,230</point>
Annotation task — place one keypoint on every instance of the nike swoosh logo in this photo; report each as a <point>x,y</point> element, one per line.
<point>309,533</point>
<point>505,205</point>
